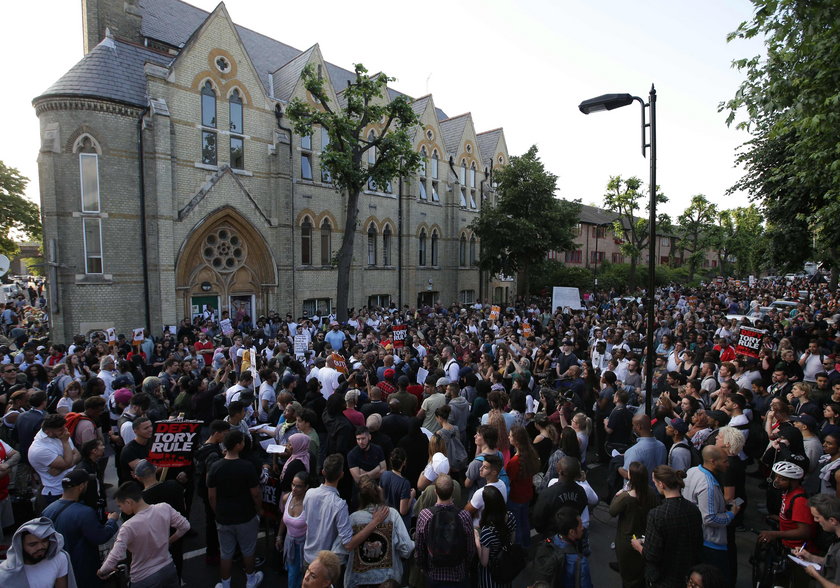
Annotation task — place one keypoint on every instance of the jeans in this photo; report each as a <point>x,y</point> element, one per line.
<point>166,577</point>
<point>523,525</point>
<point>717,558</point>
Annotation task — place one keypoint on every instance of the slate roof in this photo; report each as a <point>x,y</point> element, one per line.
<point>452,130</point>
<point>113,70</point>
<point>286,78</point>
<point>487,142</point>
<point>596,216</point>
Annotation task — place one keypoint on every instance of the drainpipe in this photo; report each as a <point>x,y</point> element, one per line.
<point>145,256</point>
<point>400,246</point>
<point>278,113</point>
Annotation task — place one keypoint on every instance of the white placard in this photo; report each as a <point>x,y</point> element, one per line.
<point>563,297</point>
<point>139,336</point>
<point>227,327</point>
<point>301,343</point>
<point>422,374</point>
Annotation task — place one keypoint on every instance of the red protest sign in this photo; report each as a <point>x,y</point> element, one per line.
<point>339,362</point>
<point>399,336</point>
<point>749,341</point>
<point>526,330</point>
<point>173,443</point>
<point>494,312</point>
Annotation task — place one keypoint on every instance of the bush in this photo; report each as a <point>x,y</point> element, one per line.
<point>552,273</point>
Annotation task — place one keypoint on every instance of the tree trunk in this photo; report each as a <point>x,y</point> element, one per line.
<point>523,283</point>
<point>692,267</point>
<point>345,256</point>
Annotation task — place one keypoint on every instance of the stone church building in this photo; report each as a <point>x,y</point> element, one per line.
<point>171,182</point>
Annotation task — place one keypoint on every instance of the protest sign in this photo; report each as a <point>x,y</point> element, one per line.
<point>173,443</point>
<point>339,362</point>
<point>526,330</point>
<point>301,344</point>
<point>495,311</point>
<point>399,336</point>
<point>422,374</point>
<point>227,327</point>
<point>139,336</point>
<point>563,297</point>
<point>749,341</point>
<point>112,335</point>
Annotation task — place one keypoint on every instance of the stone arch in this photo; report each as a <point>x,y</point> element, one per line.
<point>78,137</point>
<point>225,251</point>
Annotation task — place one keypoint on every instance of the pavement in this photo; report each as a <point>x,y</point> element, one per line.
<point>199,574</point>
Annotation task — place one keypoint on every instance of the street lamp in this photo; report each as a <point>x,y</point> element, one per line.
<point>610,102</point>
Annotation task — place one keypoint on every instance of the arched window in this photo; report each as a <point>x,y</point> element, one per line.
<point>434,164</point>
<point>421,248</point>
<point>423,157</point>
<point>237,144</point>
<point>306,242</point>
<point>462,251</point>
<point>473,258</point>
<point>326,242</point>
<point>371,157</point>
<point>462,173</point>
<point>435,247</point>
<point>472,175</point>
<point>386,245</point>
<point>208,120</point>
<point>372,244</point>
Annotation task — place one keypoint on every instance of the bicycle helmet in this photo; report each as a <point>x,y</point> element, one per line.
<point>788,470</point>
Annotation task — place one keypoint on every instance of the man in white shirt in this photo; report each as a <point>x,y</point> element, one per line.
<point>450,365</point>
<point>106,374</point>
<point>490,468</point>
<point>52,455</point>
<point>811,362</point>
<point>328,376</point>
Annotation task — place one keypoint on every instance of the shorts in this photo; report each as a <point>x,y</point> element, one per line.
<point>245,534</point>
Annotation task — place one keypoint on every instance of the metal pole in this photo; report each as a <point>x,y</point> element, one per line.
<point>597,236</point>
<point>651,352</point>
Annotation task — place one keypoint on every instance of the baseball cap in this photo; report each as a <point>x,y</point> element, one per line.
<point>74,478</point>
<point>718,415</point>
<point>442,382</point>
<point>389,373</point>
<point>123,396</point>
<point>805,419</point>
<point>677,424</point>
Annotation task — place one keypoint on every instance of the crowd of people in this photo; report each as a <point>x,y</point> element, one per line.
<point>437,446</point>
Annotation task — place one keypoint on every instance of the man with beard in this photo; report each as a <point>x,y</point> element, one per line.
<point>37,558</point>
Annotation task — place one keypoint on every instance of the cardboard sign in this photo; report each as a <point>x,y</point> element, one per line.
<point>301,344</point>
<point>111,334</point>
<point>339,363</point>
<point>400,331</point>
<point>227,327</point>
<point>749,341</point>
<point>526,330</point>
<point>495,311</point>
<point>139,337</point>
<point>562,297</point>
<point>173,443</point>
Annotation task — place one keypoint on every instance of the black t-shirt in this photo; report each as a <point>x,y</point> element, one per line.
<point>294,467</point>
<point>233,480</point>
<point>170,492</point>
<point>552,499</point>
<point>131,452</point>
<point>621,424</point>
<point>366,460</point>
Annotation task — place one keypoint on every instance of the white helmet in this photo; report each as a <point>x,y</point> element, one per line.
<point>788,470</point>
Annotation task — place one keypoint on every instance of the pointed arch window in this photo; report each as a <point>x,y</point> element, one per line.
<point>462,173</point>
<point>421,248</point>
<point>208,120</point>
<point>473,258</point>
<point>472,175</point>
<point>237,143</point>
<point>423,157</point>
<point>326,242</point>
<point>371,244</point>
<point>435,164</point>
<point>371,159</point>
<point>386,245</point>
<point>462,251</point>
<point>235,105</point>
<point>306,242</point>
<point>435,240</point>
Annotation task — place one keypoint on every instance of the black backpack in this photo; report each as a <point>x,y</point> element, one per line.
<point>696,458</point>
<point>220,411</point>
<point>53,395</point>
<point>447,539</point>
<point>548,564</point>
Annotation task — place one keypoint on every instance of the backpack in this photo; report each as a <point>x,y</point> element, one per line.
<point>696,458</point>
<point>503,475</point>
<point>509,562</point>
<point>72,421</point>
<point>219,409</point>
<point>548,564</point>
<point>458,458</point>
<point>54,394</point>
<point>447,539</point>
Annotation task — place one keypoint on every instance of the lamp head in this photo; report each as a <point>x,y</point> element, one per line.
<point>605,102</point>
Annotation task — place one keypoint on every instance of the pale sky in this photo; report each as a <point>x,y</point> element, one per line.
<point>524,66</point>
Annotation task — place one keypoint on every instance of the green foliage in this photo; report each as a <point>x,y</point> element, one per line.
<point>527,222</point>
<point>790,97</point>
<point>625,198</point>
<point>694,230</point>
<point>740,233</point>
<point>549,273</point>
<point>17,214</point>
<point>346,158</point>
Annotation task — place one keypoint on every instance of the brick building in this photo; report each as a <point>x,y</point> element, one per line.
<point>170,182</point>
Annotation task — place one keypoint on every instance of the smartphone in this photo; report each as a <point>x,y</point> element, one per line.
<point>738,502</point>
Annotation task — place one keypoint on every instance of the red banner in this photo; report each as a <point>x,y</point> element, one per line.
<point>749,341</point>
<point>399,336</point>
<point>173,443</point>
<point>339,362</point>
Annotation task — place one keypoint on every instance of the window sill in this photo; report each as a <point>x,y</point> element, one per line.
<point>206,166</point>
<point>242,172</point>
<point>77,214</point>
<point>94,279</point>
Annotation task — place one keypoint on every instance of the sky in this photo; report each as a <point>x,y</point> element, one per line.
<point>524,66</point>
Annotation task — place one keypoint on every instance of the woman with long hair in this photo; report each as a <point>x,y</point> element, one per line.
<point>36,376</point>
<point>72,393</point>
<point>568,447</point>
<point>631,506</point>
<point>293,526</point>
<point>396,488</point>
<point>831,414</point>
<point>498,418</point>
<point>673,541</point>
<point>582,426</point>
<point>496,528</point>
<point>77,369</point>
<point>547,438</point>
<point>438,462</point>
<point>521,469</point>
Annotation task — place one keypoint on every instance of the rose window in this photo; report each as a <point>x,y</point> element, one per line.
<point>224,250</point>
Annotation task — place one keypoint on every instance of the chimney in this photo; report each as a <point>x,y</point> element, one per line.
<point>122,17</point>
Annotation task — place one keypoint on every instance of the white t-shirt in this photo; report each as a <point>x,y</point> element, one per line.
<point>42,453</point>
<point>47,571</point>
<point>65,402</point>
<point>267,393</point>
<point>329,380</point>
<point>478,499</point>
<point>127,432</point>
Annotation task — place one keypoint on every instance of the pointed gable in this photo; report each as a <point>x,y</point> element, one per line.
<point>287,77</point>
<point>491,144</point>
<point>453,132</point>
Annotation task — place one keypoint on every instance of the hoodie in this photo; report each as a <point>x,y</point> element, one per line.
<point>460,413</point>
<point>12,572</point>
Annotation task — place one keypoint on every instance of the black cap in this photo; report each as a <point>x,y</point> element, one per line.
<point>75,478</point>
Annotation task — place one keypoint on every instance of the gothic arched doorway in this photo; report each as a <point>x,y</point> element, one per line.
<point>225,264</point>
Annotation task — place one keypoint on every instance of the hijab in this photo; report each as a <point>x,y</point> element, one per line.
<point>300,450</point>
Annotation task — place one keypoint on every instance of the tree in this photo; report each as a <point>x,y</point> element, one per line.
<point>791,98</point>
<point>739,235</point>
<point>527,222</point>
<point>366,106</point>
<point>624,197</point>
<point>16,212</point>
<point>694,226</point>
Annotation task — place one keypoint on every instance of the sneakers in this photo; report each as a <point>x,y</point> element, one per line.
<point>257,580</point>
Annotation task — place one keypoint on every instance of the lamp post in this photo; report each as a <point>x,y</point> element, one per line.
<point>610,102</point>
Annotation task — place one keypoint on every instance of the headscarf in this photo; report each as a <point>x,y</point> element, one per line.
<point>300,450</point>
